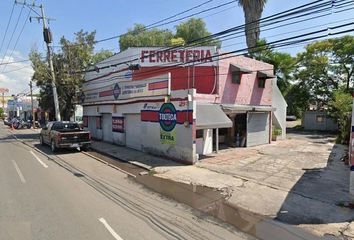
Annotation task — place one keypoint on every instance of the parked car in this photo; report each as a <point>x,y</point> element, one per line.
<point>290,118</point>
<point>64,135</point>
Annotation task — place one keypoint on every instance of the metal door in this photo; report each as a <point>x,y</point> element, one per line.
<point>257,128</point>
<point>107,127</point>
<point>133,131</point>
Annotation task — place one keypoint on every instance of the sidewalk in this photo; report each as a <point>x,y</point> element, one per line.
<point>132,156</point>
<point>299,181</point>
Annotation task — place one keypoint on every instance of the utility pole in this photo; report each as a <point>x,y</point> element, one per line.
<point>48,40</point>
<point>33,113</point>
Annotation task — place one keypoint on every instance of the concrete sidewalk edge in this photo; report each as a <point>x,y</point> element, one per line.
<point>135,163</point>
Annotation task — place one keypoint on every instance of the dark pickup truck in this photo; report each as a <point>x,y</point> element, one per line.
<point>64,135</point>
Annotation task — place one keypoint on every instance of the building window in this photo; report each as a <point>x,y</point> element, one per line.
<point>85,121</point>
<point>236,77</point>
<point>261,82</point>
<point>320,118</point>
<point>199,133</point>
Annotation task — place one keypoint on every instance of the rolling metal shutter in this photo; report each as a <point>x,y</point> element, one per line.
<point>133,131</point>
<point>257,128</point>
<point>107,127</point>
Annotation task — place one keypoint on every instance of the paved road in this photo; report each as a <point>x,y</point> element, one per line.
<point>71,196</point>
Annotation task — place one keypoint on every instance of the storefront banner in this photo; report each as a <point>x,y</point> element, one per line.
<point>118,124</point>
<point>158,86</point>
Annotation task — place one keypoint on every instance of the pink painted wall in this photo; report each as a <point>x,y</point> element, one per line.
<point>248,92</point>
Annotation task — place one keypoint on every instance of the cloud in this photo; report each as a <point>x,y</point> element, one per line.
<point>15,76</point>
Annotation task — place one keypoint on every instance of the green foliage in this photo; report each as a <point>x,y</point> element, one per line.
<point>297,98</point>
<point>343,56</point>
<point>340,108</point>
<point>2,113</point>
<point>193,29</point>
<point>177,41</point>
<point>276,131</point>
<point>284,64</point>
<point>186,32</point>
<point>139,36</point>
<point>325,66</point>
<point>68,63</point>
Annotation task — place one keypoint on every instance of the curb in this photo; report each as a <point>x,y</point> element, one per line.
<point>137,164</point>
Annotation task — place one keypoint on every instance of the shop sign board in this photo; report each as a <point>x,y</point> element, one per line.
<point>168,137</point>
<point>203,56</point>
<point>127,90</point>
<point>118,124</point>
<point>168,120</point>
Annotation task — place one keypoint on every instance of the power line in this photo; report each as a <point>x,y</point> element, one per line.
<point>294,11</point>
<point>280,34</point>
<point>172,21</point>
<point>18,38</point>
<point>8,45</point>
<point>7,27</point>
<point>274,44</point>
<point>152,25</point>
<point>17,69</point>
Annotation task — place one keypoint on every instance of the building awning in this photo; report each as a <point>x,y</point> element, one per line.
<point>237,68</point>
<point>237,108</point>
<point>211,116</point>
<point>262,74</point>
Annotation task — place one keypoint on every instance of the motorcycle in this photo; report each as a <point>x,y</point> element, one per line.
<point>20,124</point>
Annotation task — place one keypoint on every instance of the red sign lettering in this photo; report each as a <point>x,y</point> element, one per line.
<point>182,56</point>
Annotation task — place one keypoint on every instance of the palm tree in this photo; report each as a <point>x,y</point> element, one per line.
<point>253,11</point>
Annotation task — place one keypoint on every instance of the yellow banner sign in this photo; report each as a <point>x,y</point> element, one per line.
<point>168,137</point>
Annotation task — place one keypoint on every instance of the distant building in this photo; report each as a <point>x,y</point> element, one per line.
<point>175,108</point>
<point>318,120</point>
<point>21,107</point>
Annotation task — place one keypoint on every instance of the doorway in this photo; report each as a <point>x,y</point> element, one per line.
<point>240,129</point>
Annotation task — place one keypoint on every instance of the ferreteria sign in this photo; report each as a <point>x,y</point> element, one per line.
<point>157,56</point>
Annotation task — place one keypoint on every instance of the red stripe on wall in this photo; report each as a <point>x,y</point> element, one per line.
<point>184,116</point>
<point>158,85</point>
<point>149,116</point>
<point>106,93</point>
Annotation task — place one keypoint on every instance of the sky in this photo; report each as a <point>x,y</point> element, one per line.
<point>113,17</point>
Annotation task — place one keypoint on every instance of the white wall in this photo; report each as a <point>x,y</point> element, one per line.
<point>279,115</point>
<point>184,150</point>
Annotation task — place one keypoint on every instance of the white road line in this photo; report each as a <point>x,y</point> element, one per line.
<point>110,229</point>
<point>39,160</point>
<point>23,180</point>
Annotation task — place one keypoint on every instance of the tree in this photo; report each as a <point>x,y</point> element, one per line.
<point>252,10</point>
<point>284,64</point>
<point>340,108</point>
<point>297,98</point>
<point>140,36</point>
<point>186,33</point>
<point>68,65</point>
<point>2,113</point>
<point>343,55</point>
<point>193,29</point>
<point>325,66</point>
